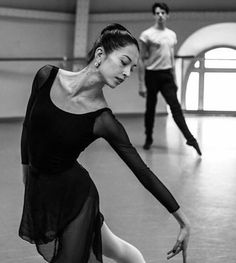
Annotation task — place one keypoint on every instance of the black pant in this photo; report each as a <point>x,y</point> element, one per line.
<point>163,81</point>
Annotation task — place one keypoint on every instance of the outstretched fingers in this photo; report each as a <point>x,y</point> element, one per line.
<point>178,247</point>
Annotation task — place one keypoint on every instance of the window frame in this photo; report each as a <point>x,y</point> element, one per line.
<point>201,70</point>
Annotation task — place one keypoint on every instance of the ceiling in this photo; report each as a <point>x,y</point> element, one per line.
<point>121,6</point>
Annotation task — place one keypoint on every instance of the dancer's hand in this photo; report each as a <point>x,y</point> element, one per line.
<point>183,237</point>
<point>181,244</point>
<point>142,91</point>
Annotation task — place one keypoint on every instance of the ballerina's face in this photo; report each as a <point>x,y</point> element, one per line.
<point>118,65</point>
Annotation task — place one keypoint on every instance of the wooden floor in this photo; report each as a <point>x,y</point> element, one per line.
<point>205,187</point>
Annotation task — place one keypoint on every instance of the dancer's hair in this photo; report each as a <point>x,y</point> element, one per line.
<point>160,5</point>
<point>112,37</point>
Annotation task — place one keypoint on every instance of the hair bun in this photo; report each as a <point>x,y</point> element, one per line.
<point>112,37</point>
<point>113,27</point>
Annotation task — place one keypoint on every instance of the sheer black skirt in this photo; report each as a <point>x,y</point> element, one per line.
<point>61,216</point>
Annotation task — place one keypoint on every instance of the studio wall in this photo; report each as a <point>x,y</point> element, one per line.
<point>28,33</point>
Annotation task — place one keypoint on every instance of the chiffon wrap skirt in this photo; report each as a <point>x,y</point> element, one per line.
<point>61,216</point>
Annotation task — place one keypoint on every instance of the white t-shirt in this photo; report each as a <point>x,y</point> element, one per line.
<point>160,45</point>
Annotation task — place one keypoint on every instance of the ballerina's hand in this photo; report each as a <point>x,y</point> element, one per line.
<point>181,244</point>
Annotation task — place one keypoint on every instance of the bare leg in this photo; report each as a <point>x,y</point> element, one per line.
<point>118,249</point>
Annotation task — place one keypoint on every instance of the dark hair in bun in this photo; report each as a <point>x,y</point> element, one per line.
<point>112,37</point>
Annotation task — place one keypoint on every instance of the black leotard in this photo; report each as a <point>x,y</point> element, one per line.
<point>58,188</point>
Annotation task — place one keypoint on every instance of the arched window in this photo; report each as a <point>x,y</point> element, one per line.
<point>211,81</point>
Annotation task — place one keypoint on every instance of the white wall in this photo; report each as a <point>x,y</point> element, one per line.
<point>26,33</point>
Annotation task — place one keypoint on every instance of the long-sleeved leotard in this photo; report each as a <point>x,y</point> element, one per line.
<point>61,201</point>
<point>39,80</point>
<point>108,127</point>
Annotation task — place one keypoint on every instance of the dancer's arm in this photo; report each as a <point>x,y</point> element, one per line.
<point>109,128</point>
<point>38,82</point>
<point>141,68</point>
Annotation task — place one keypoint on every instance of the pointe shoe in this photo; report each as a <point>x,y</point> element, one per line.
<point>147,145</point>
<point>195,145</point>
